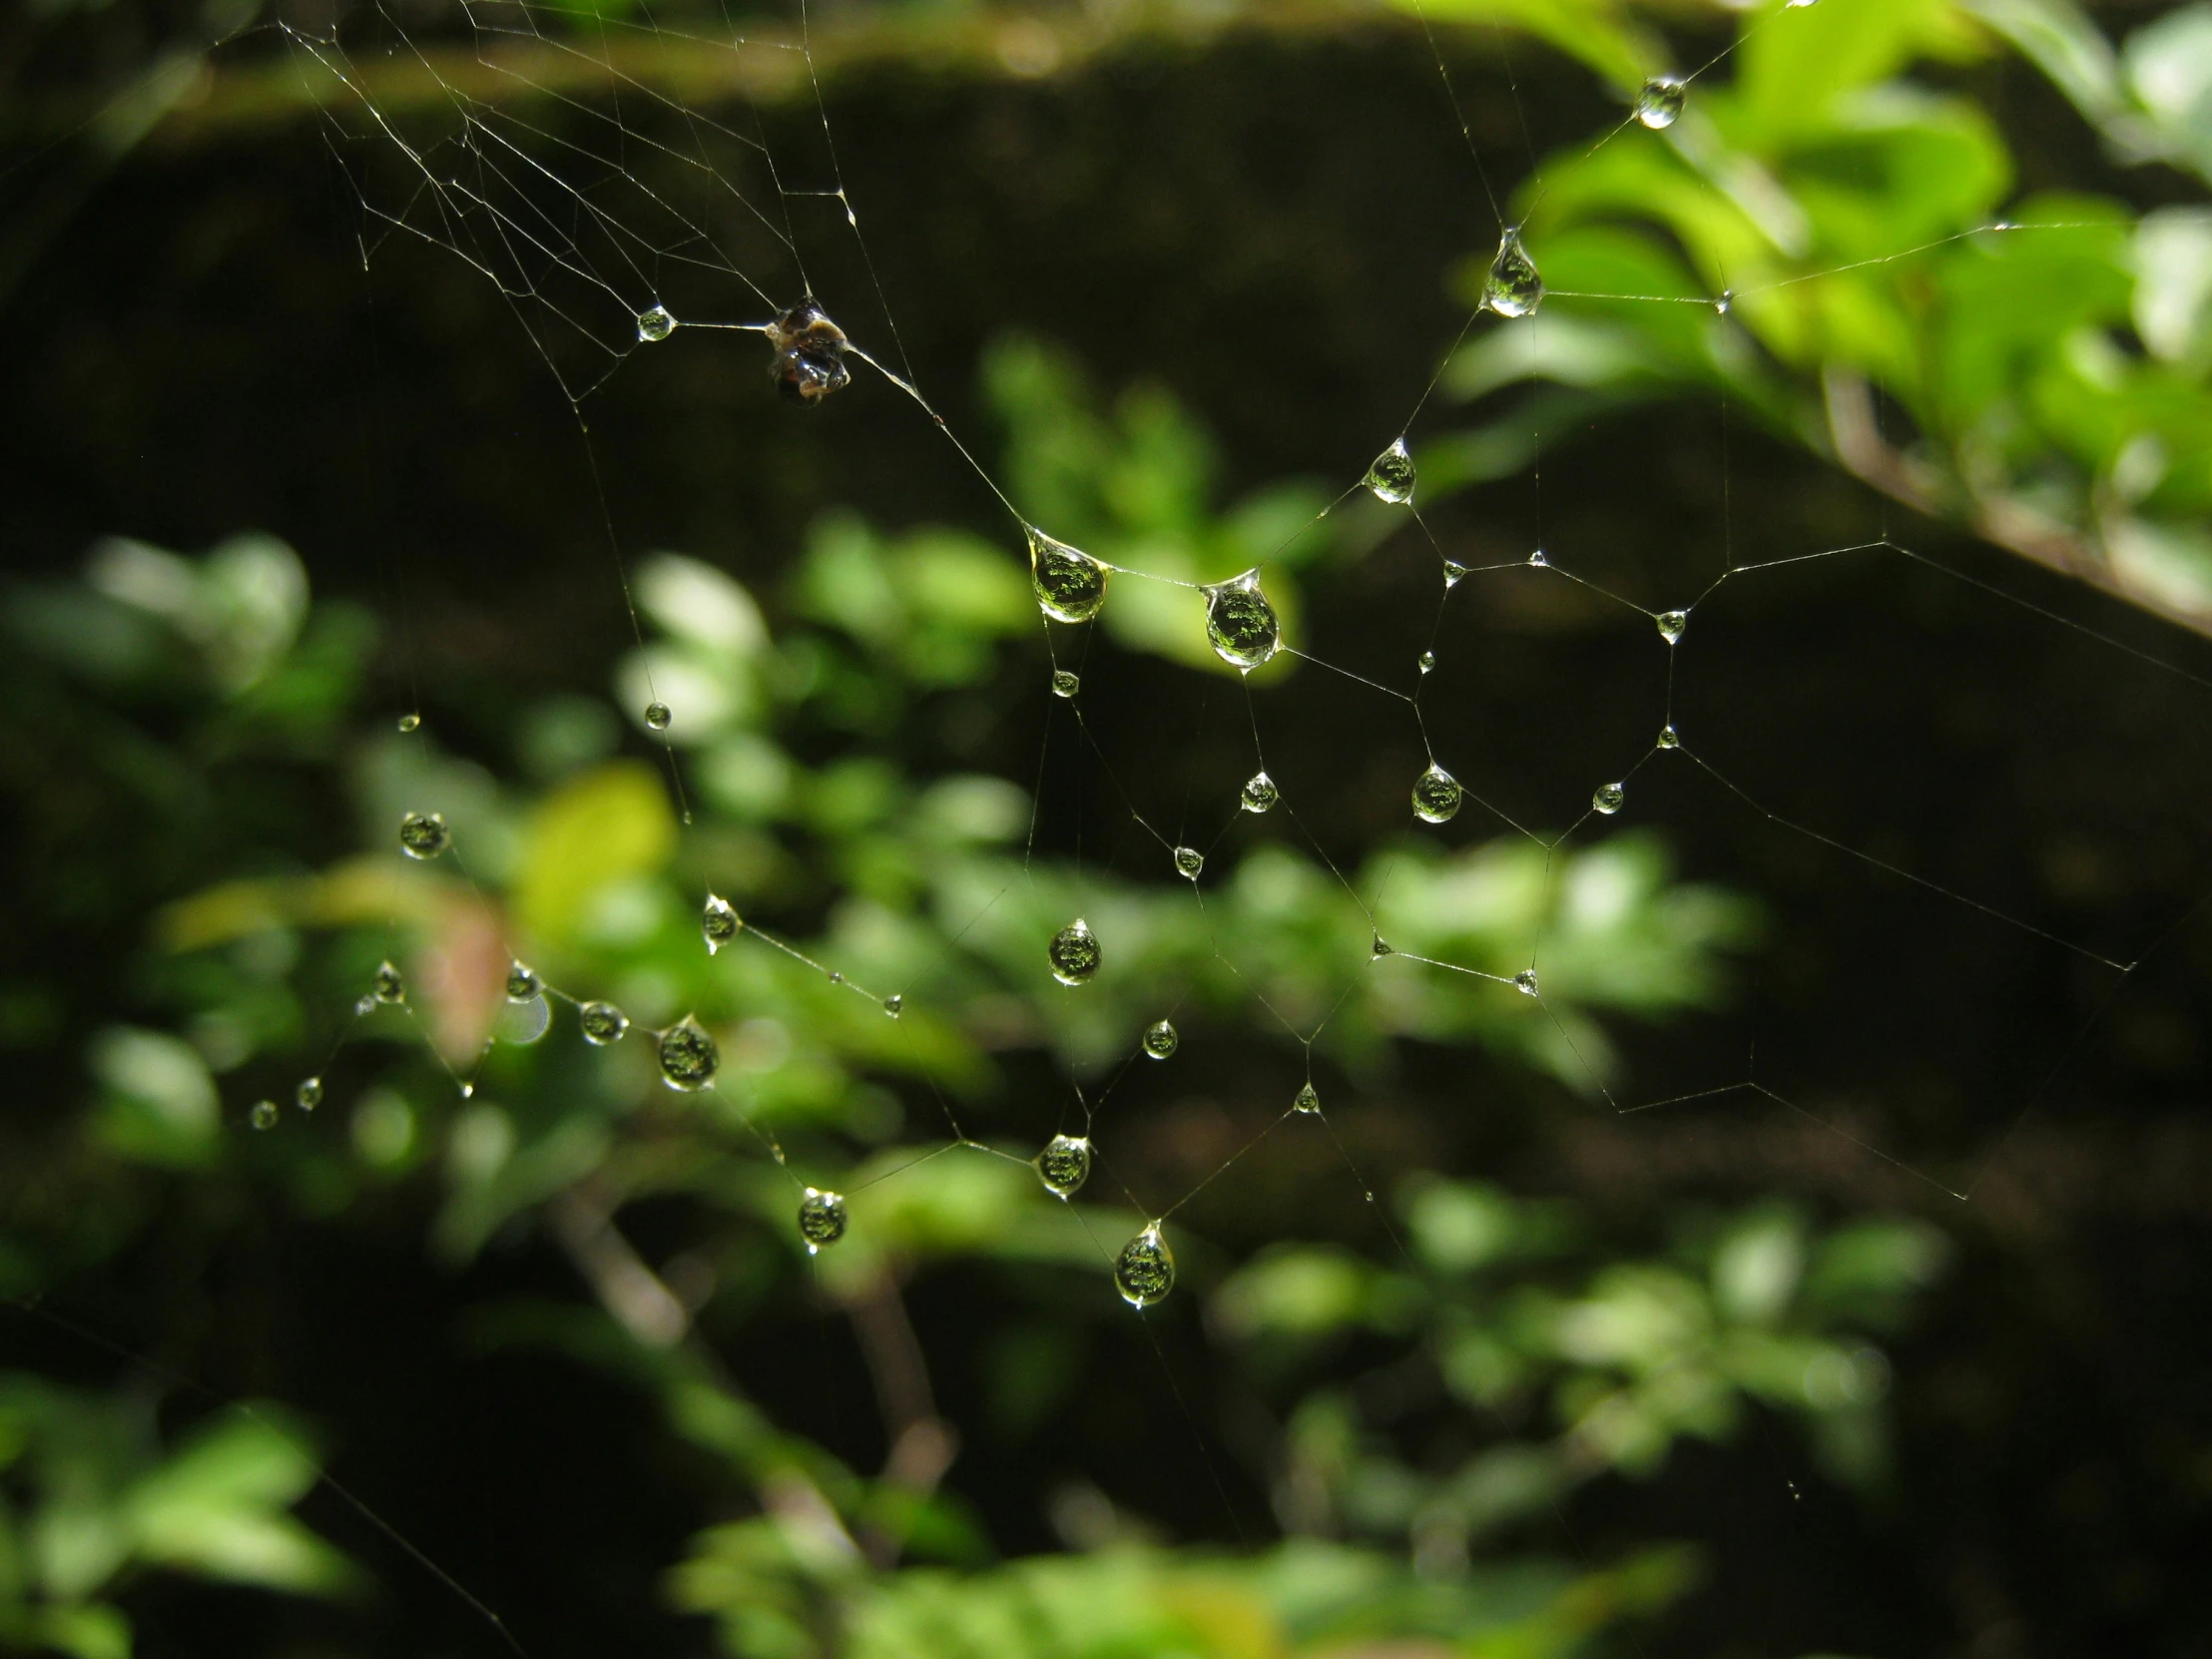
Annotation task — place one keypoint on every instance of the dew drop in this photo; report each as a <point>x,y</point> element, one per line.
<point>1513,288</point>
<point>362,1005</point>
<point>1380,947</point>
<point>410,722</point>
<point>468,1091</point>
<point>263,1115</point>
<point>1260,793</point>
<point>603,1023</point>
<point>1539,559</point>
<point>1427,661</point>
<point>1188,862</point>
<point>1672,624</point>
<point>1065,683</point>
<point>688,1057</point>
<point>522,982</point>
<point>1455,574</point>
<point>1724,303</point>
<point>1668,739</point>
<point>1145,1270</point>
<point>893,1003</point>
<point>1074,953</point>
<point>822,1219</point>
<point>423,835</point>
<point>1659,105</point>
<point>1609,798</point>
<point>1240,623</point>
<point>1064,1165</point>
<point>1437,795</point>
<point>1161,1039</point>
<point>1307,1100</point>
<point>1525,981</point>
<point>310,1093</point>
<point>1391,476</point>
<point>658,715</point>
<point>389,986</point>
<point>1071,585</point>
<point>719,922</point>
<point>835,978</point>
<point>656,324</point>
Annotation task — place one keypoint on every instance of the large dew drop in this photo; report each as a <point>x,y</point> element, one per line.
<point>603,1023</point>
<point>1668,737</point>
<point>1437,795</point>
<point>822,1219</point>
<point>1161,1039</point>
<point>719,922</point>
<point>263,1115</point>
<point>1065,682</point>
<point>658,715</point>
<point>1391,476</point>
<point>423,835</point>
<point>1609,798</point>
<point>1513,288</point>
<point>1660,103</point>
<point>1260,793</point>
<point>391,984</point>
<point>1525,982</point>
<point>1240,623</point>
<point>1071,585</point>
<point>1064,1165</point>
<point>522,982</point>
<point>656,324</point>
<point>1307,1100</point>
<point>1189,862</point>
<point>1672,624</point>
<point>1145,1269</point>
<point>1074,953</point>
<point>688,1057</point>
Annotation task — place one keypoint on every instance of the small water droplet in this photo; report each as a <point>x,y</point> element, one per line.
<point>522,982</point>
<point>410,722</point>
<point>1525,982</point>
<point>1659,105</point>
<point>1161,1039</point>
<point>1240,623</point>
<point>1074,953</point>
<point>1608,798</point>
<point>603,1023</point>
<point>1538,559</point>
<point>1307,1100</point>
<point>1427,662</point>
<point>1260,793</point>
<point>1064,1165</point>
<point>364,1005</point>
<point>1188,862</point>
<point>835,978</point>
<point>719,922</point>
<point>1382,947</point>
<point>423,835</point>
<point>1437,795</point>
<point>1065,683</point>
<point>310,1093</point>
<point>1724,303</point>
<point>1069,584</point>
<point>390,986</point>
<point>822,1219</point>
<point>468,1091</point>
<point>658,715</point>
<point>1672,624</point>
<point>688,1057</point>
<point>1668,737</point>
<point>1391,476</point>
<point>893,1003</point>
<point>263,1114</point>
<point>1513,288</point>
<point>656,324</point>
<point>1455,574</point>
<point>1145,1269</point>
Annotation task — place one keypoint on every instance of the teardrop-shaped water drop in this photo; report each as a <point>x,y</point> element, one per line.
<point>1307,1098</point>
<point>1609,798</point>
<point>1145,1269</point>
<point>1161,1039</point>
<point>603,1023</point>
<point>893,1003</point>
<point>1672,624</point>
<point>310,1093</point>
<point>1240,623</point>
<point>1391,476</point>
<point>522,982</point>
<point>1074,953</point>
<point>1260,793</point>
<point>1426,662</point>
<point>1065,683</point>
<point>822,1219</point>
<point>1379,947</point>
<point>688,1057</point>
<point>390,986</point>
<point>1437,795</point>
<point>658,715</point>
<point>1659,105</point>
<point>410,722</point>
<point>656,323</point>
<point>719,922</point>
<point>1188,862</point>
<point>423,834</point>
<point>1525,982</point>
<point>1513,288</point>
<point>1455,574</point>
<point>1064,1165</point>
<point>263,1114</point>
<point>1726,301</point>
<point>1668,737</point>
<point>1071,585</point>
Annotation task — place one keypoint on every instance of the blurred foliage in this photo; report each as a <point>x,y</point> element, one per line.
<point>2045,361</point>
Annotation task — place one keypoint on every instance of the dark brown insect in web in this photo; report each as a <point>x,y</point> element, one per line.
<point>809,353</point>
